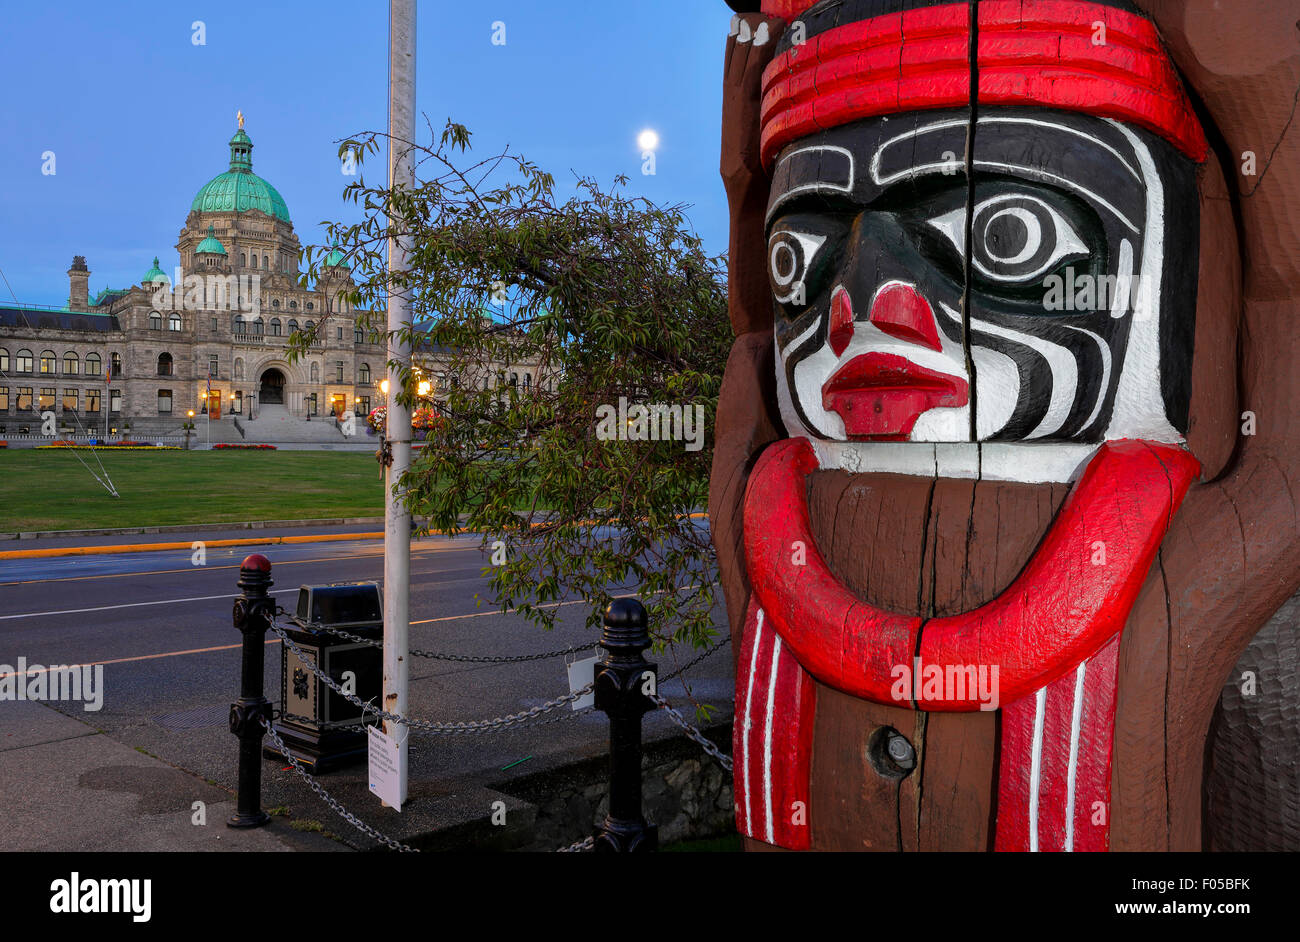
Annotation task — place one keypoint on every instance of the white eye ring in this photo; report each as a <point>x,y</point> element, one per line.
<point>953,226</point>
<point>808,245</point>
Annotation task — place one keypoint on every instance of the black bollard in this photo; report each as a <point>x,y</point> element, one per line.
<point>619,679</point>
<point>253,612</point>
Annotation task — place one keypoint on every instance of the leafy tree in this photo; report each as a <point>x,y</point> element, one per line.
<point>610,297</point>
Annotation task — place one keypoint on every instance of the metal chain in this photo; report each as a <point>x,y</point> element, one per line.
<point>497,659</point>
<point>425,726</point>
<point>325,796</point>
<point>723,759</point>
<point>691,663</point>
<point>463,658</point>
<point>587,843</point>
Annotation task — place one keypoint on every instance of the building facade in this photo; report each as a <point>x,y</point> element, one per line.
<point>212,337</point>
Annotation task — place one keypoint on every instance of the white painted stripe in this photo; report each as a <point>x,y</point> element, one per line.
<point>1036,766</point>
<point>1075,720</point>
<point>105,608</point>
<point>748,726</point>
<point>767,736</point>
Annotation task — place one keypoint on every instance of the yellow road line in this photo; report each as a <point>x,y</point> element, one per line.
<point>139,657</point>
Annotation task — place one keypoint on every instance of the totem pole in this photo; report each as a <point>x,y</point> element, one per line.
<point>1008,456</point>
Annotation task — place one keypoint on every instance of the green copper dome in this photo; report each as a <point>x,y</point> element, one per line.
<point>336,259</point>
<point>155,274</point>
<point>239,189</point>
<point>210,244</point>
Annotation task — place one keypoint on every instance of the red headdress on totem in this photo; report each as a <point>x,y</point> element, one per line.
<point>1085,57</point>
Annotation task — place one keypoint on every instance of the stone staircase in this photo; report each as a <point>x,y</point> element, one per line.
<point>275,425</point>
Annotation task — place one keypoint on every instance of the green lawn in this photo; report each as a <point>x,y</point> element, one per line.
<point>50,490</point>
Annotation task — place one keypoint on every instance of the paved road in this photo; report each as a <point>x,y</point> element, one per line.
<point>161,627</point>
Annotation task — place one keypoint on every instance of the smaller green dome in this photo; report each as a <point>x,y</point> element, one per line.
<point>155,274</point>
<point>336,259</point>
<point>210,245</point>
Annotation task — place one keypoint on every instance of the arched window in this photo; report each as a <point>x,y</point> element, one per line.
<point>238,372</point>
<point>266,261</point>
<point>164,364</point>
<point>4,360</point>
<point>49,362</point>
<point>358,336</point>
<point>528,381</point>
<point>293,305</point>
<point>155,321</point>
<point>71,364</point>
<point>243,260</point>
<point>363,374</point>
<point>514,379</point>
<point>315,372</point>
<point>23,361</point>
<point>116,362</point>
<point>174,322</point>
<point>310,306</point>
<point>241,326</point>
<point>93,364</point>
<point>293,326</point>
<point>275,305</point>
<point>259,327</point>
<point>309,326</point>
<point>275,327</point>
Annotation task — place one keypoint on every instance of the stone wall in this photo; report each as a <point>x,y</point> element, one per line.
<point>684,791</point>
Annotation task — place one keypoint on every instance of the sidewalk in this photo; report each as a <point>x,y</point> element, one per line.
<point>69,787</point>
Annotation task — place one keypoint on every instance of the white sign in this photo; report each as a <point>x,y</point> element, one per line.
<point>387,772</point>
<point>582,673</point>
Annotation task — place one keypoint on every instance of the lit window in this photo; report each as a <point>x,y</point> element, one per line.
<point>49,362</point>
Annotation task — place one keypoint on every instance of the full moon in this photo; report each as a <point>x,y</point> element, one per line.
<point>647,140</point>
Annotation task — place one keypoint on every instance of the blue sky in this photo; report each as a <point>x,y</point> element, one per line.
<point>138,116</point>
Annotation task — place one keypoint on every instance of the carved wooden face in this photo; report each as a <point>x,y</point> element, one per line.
<point>1072,332</point>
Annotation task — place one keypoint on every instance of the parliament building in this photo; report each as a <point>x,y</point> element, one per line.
<point>215,342</point>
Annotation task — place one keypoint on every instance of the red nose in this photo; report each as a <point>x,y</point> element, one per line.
<point>900,312</point>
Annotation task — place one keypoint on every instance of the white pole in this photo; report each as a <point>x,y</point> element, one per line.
<point>397,519</point>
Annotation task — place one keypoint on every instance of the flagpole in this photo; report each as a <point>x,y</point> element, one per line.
<point>397,430</point>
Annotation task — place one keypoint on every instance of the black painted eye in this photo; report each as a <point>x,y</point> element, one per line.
<point>1015,238</point>
<point>790,257</point>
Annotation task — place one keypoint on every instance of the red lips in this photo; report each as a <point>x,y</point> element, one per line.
<point>881,395</point>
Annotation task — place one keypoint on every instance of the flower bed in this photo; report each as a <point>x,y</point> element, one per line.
<point>237,447</point>
<point>113,446</point>
<point>423,419</point>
